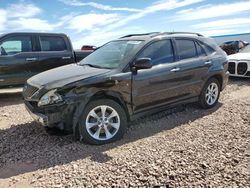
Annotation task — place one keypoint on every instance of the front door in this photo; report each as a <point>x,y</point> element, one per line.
<point>16,53</point>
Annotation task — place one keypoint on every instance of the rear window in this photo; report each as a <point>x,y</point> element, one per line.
<point>186,48</point>
<point>49,43</point>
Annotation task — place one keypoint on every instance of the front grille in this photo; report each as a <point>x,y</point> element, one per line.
<point>29,90</point>
<point>242,68</point>
<point>231,67</point>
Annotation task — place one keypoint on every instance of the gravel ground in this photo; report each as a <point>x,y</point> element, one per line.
<point>183,147</point>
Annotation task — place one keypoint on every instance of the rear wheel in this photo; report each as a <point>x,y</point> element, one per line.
<point>102,121</point>
<point>210,93</point>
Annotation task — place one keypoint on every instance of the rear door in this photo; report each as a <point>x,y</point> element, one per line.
<point>193,64</point>
<point>55,51</point>
<point>17,51</point>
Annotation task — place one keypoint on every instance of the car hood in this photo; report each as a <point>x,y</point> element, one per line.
<point>64,75</point>
<point>240,56</point>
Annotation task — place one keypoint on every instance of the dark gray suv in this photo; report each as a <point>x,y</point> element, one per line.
<point>127,78</point>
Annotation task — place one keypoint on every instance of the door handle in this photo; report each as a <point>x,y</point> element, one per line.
<point>208,63</point>
<point>31,59</point>
<point>66,57</point>
<point>175,69</point>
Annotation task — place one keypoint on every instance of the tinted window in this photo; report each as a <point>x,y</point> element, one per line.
<point>207,48</point>
<point>186,48</point>
<point>52,44</point>
<point>159,52</point>
<point>200,50</point>
<point>14,45</point>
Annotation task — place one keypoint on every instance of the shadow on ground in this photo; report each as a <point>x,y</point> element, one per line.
<point>8,99</point>
<point>239,81</point>
<point>27,147</point>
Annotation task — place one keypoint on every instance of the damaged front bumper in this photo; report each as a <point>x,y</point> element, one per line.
<point>52,115</point>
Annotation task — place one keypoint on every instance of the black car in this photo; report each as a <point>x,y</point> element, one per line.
<point>125,79</point>
<point>23,55</point>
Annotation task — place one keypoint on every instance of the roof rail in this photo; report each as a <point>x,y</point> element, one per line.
<point>142,34</point>
<point>172,33</point>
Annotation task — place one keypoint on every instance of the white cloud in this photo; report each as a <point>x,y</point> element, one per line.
<point>212,11</point>
<point>100,37</point>
<point>22,16</point>
<point>163,5</point>
<point>22,10</point>
<point>90,21</point>
<point>2,19</point>
<point>110,30</point>
<point>224,23</point>
<point>98,6</point>
<point>217,32</point>
<point>34,24</point>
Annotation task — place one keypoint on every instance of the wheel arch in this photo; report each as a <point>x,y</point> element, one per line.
<point>112,95</point>
<point>219,78</point>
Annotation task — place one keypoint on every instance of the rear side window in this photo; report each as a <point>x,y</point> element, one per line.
<point>200,50</point>
<point>186,48</point>
<point>49,43</point>
<point>207,48</point>
<point>14,45</point>
<point>160,52</point>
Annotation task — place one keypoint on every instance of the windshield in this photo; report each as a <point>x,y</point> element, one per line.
<point>245,49</point>
<point>112,54</point>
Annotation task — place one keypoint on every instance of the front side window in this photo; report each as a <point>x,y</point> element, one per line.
<point>160,52</point>
<point>186,48</point>
<point>49,43</point>
<point>113,54</point>
<point>14,45</point>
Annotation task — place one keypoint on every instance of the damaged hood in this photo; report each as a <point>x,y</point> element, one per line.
<point>239,56</point>
<point>64,75</point>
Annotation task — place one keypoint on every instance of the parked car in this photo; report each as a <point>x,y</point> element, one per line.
<point>233,47</point>
<point>239,64</point>
<point>88,48</point>
<point>23,55</point>
<point>125,79</point>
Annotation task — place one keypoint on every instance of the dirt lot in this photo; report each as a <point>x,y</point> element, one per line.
<point>182,147</point>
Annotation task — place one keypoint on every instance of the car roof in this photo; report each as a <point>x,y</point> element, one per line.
<point>153,35</point>
<point>31,33</point>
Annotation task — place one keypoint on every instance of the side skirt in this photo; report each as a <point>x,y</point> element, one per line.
<point>162,108</point>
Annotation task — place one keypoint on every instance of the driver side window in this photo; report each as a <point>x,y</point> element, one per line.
<point>14,45</point>
<point>160,52</point>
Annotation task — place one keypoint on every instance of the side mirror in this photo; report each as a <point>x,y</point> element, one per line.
<point>142,63</point>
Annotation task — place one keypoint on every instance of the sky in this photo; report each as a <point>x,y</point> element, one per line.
<point>96,22</point>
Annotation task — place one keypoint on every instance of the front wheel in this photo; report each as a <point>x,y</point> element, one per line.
<point>102,121</point>
<point>210,94</point>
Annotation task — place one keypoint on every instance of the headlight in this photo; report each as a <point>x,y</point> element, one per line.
<point>50,97</point>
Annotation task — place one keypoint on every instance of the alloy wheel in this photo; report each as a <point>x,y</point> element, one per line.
<point>102,122</point>
<point>212,93</point>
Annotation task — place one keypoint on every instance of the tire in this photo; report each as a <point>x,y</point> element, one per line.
<point>96,129</point>
<point>210,90</point>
